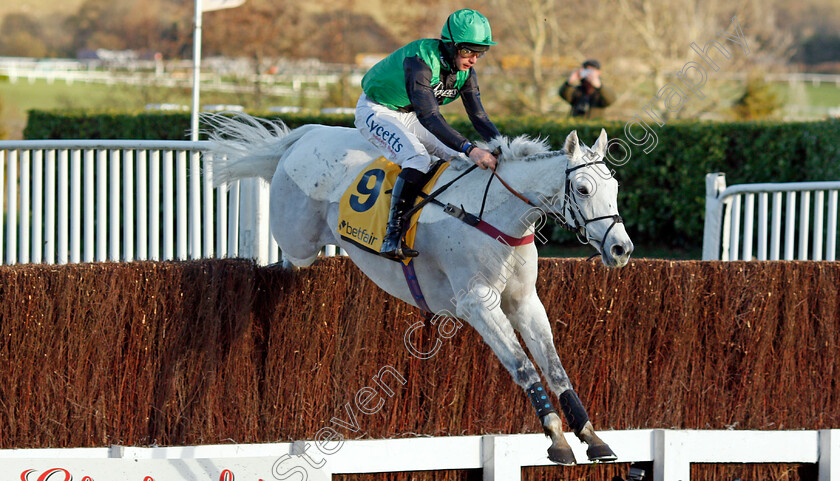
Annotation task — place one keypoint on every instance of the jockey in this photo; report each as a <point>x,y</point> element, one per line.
<point>399,110</point>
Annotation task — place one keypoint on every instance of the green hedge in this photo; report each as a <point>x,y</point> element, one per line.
<point>662,192</point>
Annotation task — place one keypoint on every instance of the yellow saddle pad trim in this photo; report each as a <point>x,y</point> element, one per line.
<point>365,205</point>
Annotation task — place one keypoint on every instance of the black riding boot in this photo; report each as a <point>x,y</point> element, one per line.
<point>403,195</point>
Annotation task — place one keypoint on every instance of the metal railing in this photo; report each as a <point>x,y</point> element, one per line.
<point>67,201</point>
<point>793,226</point>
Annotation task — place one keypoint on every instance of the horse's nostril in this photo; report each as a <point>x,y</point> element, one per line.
<point>617,250</point>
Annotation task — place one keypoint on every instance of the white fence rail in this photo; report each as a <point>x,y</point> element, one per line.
<point>500,457</point>
<point>788,223</point>
<point>149,72</point>
<point>67,201</point>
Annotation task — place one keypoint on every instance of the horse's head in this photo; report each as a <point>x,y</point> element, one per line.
<point>590,201</point>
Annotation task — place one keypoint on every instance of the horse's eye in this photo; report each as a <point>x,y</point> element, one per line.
<point>583,190</point>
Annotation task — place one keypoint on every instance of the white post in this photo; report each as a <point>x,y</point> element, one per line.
<point>819,199</point>
<point>142,205</point>
<point>734,224</point>
<point>154,206</point>
<point>63,199</point>
<point>497,459</point>
<point>88,207</point>
<point>168,207</point>
<point>669,463</point>
<point>715,184</point>
<point>273,249</point>
<point>49,208</point>
<point>101,206</point>
<point>11,207</point>
<point>195,206</point>
<point>181,196</point>
<point>790,224</point>
<point>2,183</point>
<point>222,221</point>
<point>196,71</point>
<point>207,194</point>
<point>25,169</point>
<point>234,220</point>
<point>762,226</point>
<point>776,227</point>
<point>114,208</point>
<point>831,241</point>
<point>37,206</point>
<point>264,198</point>
<point>75,206</point>
<point>804,221</point>
<point>829,463</point>
<point>253,227</point>
<point>128,204</point>
<point>749,215</point>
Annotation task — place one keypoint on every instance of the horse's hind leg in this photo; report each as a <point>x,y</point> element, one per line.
<point>498,333</point>
<point>529,317</point>
<point>297,222</point>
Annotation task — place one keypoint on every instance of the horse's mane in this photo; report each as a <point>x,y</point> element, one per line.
<point>520,148</point>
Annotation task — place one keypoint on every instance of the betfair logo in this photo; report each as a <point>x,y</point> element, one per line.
<point>361,235</point>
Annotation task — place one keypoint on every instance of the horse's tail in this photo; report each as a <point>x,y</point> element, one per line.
<point>245,146</point>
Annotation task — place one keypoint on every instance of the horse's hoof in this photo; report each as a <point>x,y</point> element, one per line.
<point>600,453</point>
<point>563,456</point>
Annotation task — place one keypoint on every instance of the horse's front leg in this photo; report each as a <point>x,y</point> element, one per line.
<point>498,333</point>
<point>528,315</point>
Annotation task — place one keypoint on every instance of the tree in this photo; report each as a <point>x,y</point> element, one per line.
<point>542,40</point>
<point>21,37</point>
<point>658,35</point>
<point>153,25</point>
<point>758,102</point>
<point>260,30</point>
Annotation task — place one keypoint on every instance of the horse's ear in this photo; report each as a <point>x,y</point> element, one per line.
<point>601,144</point>
<point>572,144</point>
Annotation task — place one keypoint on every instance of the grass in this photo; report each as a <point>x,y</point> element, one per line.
<point>18,98</point>
<point>825,94</point>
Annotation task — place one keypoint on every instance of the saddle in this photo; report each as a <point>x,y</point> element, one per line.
<point>364,206</point>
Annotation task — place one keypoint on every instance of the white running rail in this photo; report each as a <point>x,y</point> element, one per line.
<point>500,457</point>
<point>806,236</point>
<point>68,201</point>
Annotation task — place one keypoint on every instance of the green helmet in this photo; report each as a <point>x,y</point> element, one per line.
<point>469,27</point>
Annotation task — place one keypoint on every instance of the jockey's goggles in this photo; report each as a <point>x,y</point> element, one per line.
<point>467,53</point>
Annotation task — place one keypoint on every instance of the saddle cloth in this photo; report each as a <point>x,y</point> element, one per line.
<point>365,205</point>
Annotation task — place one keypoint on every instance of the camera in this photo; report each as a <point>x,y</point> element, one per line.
<point>637,472</point>
<point>585,73</point>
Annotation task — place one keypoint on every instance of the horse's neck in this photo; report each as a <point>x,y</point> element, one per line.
<point>539,180</point>
<point>513,217</point>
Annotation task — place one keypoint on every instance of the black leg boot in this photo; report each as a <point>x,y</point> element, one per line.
<point>403,195</point>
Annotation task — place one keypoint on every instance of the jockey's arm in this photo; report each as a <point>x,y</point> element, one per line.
<point>471,97</point>
<point>418,85</point>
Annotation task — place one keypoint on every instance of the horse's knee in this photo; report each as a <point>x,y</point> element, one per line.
<point>526,374</point>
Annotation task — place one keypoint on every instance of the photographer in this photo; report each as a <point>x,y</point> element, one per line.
<point>585,92</point>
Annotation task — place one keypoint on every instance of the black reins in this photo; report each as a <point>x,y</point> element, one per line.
<point>432,197</point>
<point>578,220</point>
